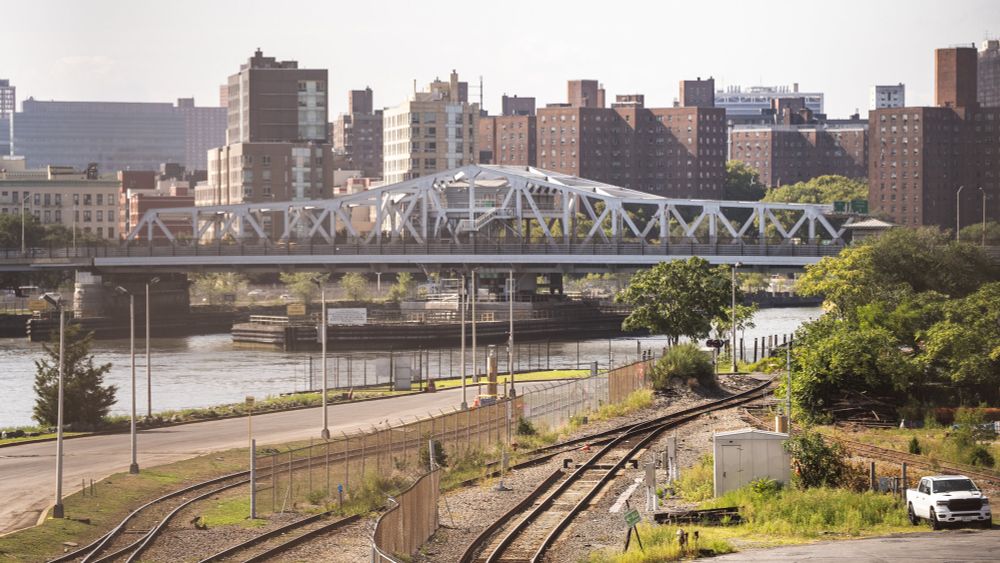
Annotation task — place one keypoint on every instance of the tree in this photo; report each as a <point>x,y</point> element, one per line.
<point>402,288</point>
<point>683,362</point>
<point>816,463</point>
<point>303,284</point>
<point>86,400</point>
<point>744,320</point>
<point>896,264</point>
<point>742,182</point>
<point>10,229</point>
<point>974,233</point>
<point>754,282</point>
<point>213,286</point>
<point>355,286</point>
<point>822,189</point>
<point>678,298</point>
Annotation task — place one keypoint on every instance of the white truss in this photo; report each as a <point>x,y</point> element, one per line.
<point>493,203</point>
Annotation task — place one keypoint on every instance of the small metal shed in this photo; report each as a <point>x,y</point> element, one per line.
<point>744,455</point>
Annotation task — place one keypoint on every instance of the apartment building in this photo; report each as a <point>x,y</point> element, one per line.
<point>357,134</point>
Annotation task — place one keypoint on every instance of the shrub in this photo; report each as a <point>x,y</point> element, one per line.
<point>815,462</point>
<point>914,446</point>
<point>698,482</point>
<point>525,427</point>
<point>440,457</point>
<point>765,486</point>
<point>684,362</point>
<point>980,456</point>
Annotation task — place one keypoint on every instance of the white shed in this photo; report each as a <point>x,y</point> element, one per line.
<point>744,455</point>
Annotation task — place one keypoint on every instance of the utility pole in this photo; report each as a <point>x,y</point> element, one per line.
<point>133,468</point>
<point>325,433</point>
<point>984,215</point>
<point>475,358</point>
<point>788,391</point>
<point>510,338</point>
<point>461,307</point>
<point>732,346</point>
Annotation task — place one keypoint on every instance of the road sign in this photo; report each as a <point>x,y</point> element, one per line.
<point>296,309</point>
<point>632,518</point>
<point>250,400</point>
<point>347,316</point>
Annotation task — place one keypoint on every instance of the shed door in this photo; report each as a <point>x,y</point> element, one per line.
<point>732,468</point>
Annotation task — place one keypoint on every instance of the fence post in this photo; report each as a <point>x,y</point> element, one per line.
<point>327,468</point>
<point>871,475</point>
<point>274,481</point>
<point>347,461</point>
<point>253,478</point>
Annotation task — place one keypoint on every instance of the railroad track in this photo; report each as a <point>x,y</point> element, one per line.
<point>526,532</point>
<point>279,540</point>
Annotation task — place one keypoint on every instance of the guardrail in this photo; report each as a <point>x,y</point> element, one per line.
<point>403,248</point>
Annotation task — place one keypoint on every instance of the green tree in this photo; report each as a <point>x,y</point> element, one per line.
<point>355,286</point>
<point>754,282</point>
<point>974,233</point>
<point>303,284</point>
<point>678,298</point>
<point>744,319</point>
<point>86,400</point>
<point>822,189</point>
<point>816,463</point>
<point>403,287</point>
<point>896,264</point>
<point>213,286</point>
<point>683,362</point>
<point>742,182</point>
<point>10,230</point>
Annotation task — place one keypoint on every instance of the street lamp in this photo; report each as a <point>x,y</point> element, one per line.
<point>732,347</point>
<point>475,357</point>
<point>149,377</point>
<point>958,214</point>
<point>984,215</point>
<point>325,433</point>
<point>461,307</point>
<point>510,340</point>
<point>24,246</point>
<point>133,468</point>
<point>57,302</point>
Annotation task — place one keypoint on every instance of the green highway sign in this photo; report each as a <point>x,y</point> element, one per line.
<point>632,517</point>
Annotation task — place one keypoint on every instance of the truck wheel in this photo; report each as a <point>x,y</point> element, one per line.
<point>987,524</point>
<point>935,525</point>
<point>912,515</point>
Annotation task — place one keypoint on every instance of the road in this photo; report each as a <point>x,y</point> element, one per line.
<point>27,471</point>
<point>952,546</point>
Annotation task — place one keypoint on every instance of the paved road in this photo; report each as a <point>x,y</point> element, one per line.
<point>952,546</point>
<point>27,471</point>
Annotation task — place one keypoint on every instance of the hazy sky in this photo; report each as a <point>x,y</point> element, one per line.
<point>158,51</point>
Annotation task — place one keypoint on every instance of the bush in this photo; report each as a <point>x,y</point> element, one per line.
<point>697,483</point>
<point>816,463</point>
<point>980,456</point>
<point>525,427</point>
<point>914,446</point>
<point>684,362</point>
<point>440,457</point>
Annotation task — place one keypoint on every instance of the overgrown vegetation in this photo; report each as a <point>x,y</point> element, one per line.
<point>815,462</point>
<point>914,317</point>
<point>684,363</point>
<point>696,482</point>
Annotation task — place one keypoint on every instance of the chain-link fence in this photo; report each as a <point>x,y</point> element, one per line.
<point>334,471</point>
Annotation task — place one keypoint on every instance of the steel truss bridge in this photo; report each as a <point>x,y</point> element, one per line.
<point>489,217</point>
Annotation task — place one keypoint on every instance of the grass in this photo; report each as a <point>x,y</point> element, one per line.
<point>44,436</point>
<point>231,511</point>
<point>933,443</point>
<point>636,400</point>
<point>785,517</point>
<point>518,378</point>
<point>87,517</point>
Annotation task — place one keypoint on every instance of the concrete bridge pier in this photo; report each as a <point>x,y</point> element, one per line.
<point>95,296</point>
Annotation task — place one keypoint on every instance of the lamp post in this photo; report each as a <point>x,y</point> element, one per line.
<point>133,468</point>
<point>984,215</point>
<point>958,214</point>
<point>475,358</point>
<point>149,372</point>
<point>461,312</point>
<point>24,246</point>
<point>325,433</point>
<point>57,302</point>
<point>732,347</point>
<point>510,341</point>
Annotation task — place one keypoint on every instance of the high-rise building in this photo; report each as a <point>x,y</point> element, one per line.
<point>748,105</point>
<point>919,157</point>
<point>357,135</point>
<point>785,154</point>
<point>275,101</point>
<point>508,139</point>
<point>887,96</point>
<point>585,94</point>
<point>955,77</point>
<point>116,135</point>
<point>697,93</point>
<point>989,74</point>
<point>277,147</point>
<point>675,152</point>
<point>8,98</point>
<point>433,130</point>
<point>513,105</point>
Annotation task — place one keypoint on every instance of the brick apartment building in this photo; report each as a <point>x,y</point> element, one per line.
<point>357,135</point>
<point>675,152</point>
<point>988,74</point>
<point>920,156</point>
<point>509,138</point>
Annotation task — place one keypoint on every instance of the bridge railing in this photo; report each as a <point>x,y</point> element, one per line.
<point>446,248</point>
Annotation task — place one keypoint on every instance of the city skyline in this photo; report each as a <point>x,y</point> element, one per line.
<point>82,57</point>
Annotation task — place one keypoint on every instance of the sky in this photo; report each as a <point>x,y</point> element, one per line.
<point>116,50</point>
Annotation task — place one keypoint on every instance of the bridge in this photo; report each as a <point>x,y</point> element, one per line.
<point>490,217</point>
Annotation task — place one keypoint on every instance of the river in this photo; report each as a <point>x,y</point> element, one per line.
<point>205,370</point>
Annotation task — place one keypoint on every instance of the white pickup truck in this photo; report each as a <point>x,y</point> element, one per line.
<point>948,498</point>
